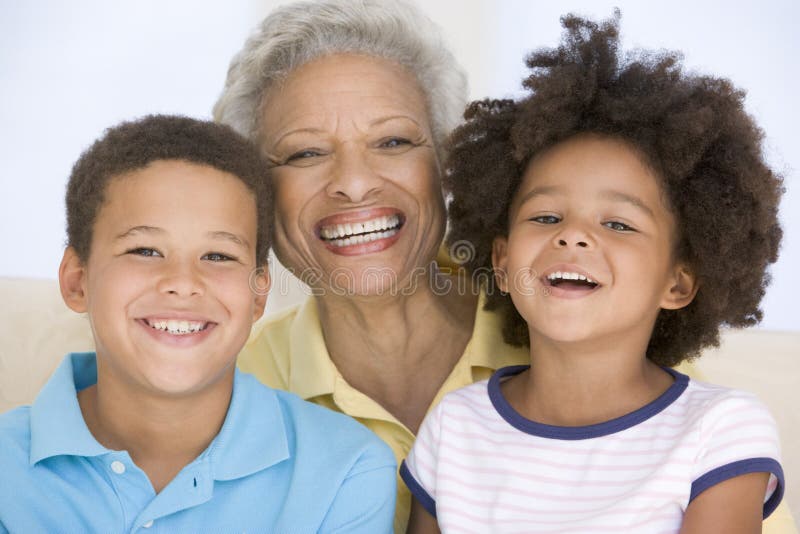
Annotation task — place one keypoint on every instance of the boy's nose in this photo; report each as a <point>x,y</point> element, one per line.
<point>352,177</point>
<point>181,280</point>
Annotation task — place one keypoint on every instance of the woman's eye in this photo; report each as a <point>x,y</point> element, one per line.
<point>618,226</point>
<point>144,251</point>
<point>303,157</point>
<point>546,219</point>
<point>395,142</point>
<point>217,256</point>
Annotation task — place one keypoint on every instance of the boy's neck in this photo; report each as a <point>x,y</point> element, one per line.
<point>161,434</point>
<point>585,384</point>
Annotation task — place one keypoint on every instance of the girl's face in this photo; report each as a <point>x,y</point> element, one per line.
<point>359,207</point>
<point>589,255</point>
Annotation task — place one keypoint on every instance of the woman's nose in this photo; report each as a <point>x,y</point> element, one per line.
<point>353,178</point>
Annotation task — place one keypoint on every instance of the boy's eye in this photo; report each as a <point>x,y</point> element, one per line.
<point>618,226</point>
<point>546,219</point>
<point>144,251</point>
<point>217,256</point>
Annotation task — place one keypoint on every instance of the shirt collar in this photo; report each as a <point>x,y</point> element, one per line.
<point>486,347</point>
<point>313,374</point>
<point>253,436</point>
<point>57,425</point>
<point>311,370</point>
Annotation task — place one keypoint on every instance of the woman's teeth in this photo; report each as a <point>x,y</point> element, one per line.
<point>178,327</point>
<point>342,235</point>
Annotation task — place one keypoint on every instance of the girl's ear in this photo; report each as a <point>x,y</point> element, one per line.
<point>500,261</point>
<point>260,282</point>
<point>682,288</point>
<point>72,281</point>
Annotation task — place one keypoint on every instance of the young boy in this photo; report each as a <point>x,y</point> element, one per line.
<point>168,233</point>
<point>628,213</point>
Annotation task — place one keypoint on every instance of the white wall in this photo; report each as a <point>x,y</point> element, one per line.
<point>71,69</point>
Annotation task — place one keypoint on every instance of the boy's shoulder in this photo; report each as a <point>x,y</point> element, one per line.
<point>15,433</point>
<point>338,435</point>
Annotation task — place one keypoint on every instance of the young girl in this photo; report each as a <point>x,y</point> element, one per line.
<point>627,211</point>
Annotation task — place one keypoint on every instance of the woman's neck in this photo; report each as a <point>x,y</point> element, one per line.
<point>161,434</point>
<point>579,384</point>
<point>398,349</point>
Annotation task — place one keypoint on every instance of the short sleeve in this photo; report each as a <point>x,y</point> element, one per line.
<point>418,470</point>
<point>738,436</point>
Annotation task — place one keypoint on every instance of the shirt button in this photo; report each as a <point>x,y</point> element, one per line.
<point>148,524</point>
<point>118,467</point>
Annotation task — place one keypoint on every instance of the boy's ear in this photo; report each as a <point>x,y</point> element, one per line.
<point>260,283</point>
<point>72,281</point>
<point>499,262</point>
<point>682,290</point>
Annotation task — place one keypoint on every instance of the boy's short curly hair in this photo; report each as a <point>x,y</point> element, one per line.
<point>133,145</point>
<point>692,129</point>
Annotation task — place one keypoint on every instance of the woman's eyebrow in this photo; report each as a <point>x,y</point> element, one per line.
<point>381,120</point>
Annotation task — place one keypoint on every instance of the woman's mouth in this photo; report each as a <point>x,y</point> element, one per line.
<point>344,235</point>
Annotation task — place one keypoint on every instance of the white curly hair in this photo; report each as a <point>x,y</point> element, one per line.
<point>296,33</point>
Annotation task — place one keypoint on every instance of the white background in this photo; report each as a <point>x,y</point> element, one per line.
<point>71,69</point>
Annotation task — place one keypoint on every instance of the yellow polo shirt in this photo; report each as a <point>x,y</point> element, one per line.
<point>287,351</point>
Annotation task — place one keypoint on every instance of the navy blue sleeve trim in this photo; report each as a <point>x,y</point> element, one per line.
<point>743,467</point>
<point>417,490</point>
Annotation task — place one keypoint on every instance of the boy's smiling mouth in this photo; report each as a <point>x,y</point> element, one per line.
<point>177,327</point>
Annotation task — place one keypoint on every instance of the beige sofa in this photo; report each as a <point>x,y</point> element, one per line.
<point>37,330</point>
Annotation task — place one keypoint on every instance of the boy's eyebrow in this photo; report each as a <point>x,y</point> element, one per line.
<point>218,234</point>
<point>140,230</point>
<point>227,236</point>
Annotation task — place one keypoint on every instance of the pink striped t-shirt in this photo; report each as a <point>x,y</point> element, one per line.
<point>479,466</point>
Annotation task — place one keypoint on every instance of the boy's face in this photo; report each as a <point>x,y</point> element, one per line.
<point>167,285</point>
<point>589,253</point>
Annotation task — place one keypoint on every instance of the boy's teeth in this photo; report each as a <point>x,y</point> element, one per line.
<point>178,327</point>
<point>339,233</point>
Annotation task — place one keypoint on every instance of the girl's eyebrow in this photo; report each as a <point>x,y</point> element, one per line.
<point>608,194</point>
<point>620,196</point>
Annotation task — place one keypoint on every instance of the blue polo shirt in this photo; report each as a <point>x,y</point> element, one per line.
<point>279,464</point>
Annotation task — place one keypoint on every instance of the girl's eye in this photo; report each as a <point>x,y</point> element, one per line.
<point>216,256</point>
<point>546,219</point>
<point>618,226</point>
<point>144,251</point>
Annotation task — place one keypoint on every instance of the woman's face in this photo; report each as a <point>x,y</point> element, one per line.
<point>359,207</point>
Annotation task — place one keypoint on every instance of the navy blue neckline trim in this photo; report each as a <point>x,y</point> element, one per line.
<point>613,426</point>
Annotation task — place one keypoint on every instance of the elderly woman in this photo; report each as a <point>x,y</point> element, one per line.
<point>351,101</point>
